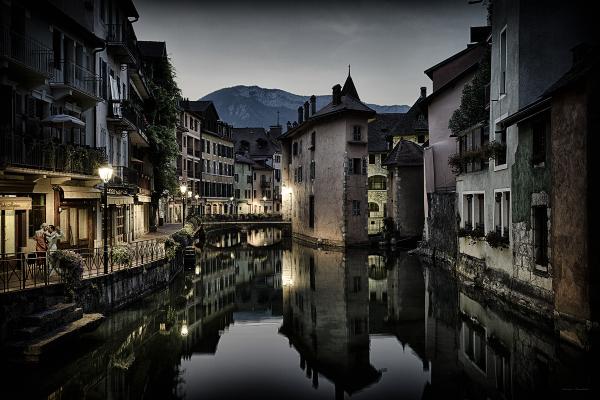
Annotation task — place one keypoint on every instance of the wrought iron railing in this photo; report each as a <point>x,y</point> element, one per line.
<point>122,35</point>
<point>70,74</point>
<point>125,175</point>
<point>25,270</point>
<point>44,154</point>
<point>26,50</point>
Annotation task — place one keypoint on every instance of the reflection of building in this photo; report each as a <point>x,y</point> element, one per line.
<point>324,160</point>
<point>326,315</point>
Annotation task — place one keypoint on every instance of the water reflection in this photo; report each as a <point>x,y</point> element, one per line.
<point>292,321</point>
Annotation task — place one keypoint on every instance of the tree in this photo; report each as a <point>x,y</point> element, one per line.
<point>472,109</point>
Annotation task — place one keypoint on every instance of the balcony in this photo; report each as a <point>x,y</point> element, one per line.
<point>120,41</point>
<point>29,61</point>
<point>116,116</point>
<point>124,176</point>
<point>265,184</point>
<point>37,154</point>
<point>75,82</point>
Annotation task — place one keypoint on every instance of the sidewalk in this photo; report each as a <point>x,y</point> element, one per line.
<point>161,232</point>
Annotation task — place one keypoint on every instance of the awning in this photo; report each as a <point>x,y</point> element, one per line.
<point>63,121</point>
<point>527,112</point>
<point>118,200</point>
<point>135,160</point>
<point>142,198</point>
<point>80,192</point>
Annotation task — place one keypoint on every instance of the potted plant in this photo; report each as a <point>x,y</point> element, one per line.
<point>70,268</point>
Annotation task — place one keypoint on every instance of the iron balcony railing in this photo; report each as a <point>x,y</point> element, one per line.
<point>77,77</point>
<point>44,154</point>
<point>125,175</point>
<point>26,51</point>
<point>122,37</point>
<point>25,270</point>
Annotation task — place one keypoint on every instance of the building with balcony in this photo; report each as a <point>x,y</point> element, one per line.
<point>262,147</point>
<point>449,77</point>
<point>507,197</point>
<point>215,171</point>
<point>324,159</point>
<point>49,151</point>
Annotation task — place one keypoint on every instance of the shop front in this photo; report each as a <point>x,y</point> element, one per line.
<point>75,215</point>
<point>14,223</point>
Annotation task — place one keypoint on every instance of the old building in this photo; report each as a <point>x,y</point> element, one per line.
<point>243,183</point>
<point>189,162</point>
<point>216,145</point>
<point>324,159</point>
<point>504,201</point>
<point>264,149</point>
<point>405,188</point>
<point>448,77</point>
<point>50,150</point>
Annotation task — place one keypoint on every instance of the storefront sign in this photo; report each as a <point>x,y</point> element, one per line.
<point>15,203</point>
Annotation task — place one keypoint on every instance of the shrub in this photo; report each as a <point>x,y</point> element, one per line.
<point>70,268</point>
<point>122,255</point>
<point>495,240</point>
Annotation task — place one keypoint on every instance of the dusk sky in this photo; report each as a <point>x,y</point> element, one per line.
<point>305,46</point>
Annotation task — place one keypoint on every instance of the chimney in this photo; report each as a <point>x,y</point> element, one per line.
<point>423,92</point>
<point>300,115</point>
<point>313,105</point>
<point>289,125</point>
<point>337,94</point>
<point>306,115</point>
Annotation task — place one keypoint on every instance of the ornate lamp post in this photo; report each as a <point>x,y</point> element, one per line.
<point>183,189</point>
<point>105,173</point>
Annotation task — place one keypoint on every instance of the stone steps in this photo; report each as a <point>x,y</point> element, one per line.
<point>44,322</point>
<point>34,348</point>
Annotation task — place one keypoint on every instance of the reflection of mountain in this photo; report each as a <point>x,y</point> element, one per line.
<point>326,309</point>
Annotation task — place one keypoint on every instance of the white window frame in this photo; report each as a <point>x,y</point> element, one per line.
<point>462,209</point>
<point>504,166</point>
<point>501,216</point>
<point>501,94</point>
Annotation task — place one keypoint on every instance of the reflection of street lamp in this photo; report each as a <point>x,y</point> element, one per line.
<point>105,173</point>
<point>183,189</point>
<point>231,204</point>
<point>197,196</point>
<point>184,328</point>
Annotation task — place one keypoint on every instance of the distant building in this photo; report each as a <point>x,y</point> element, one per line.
<point>263,148</point>
<point>243,184</point>
<point>449,77</point>
<point>405,188</point>
<point>216,146</point>
<point>325,158</point>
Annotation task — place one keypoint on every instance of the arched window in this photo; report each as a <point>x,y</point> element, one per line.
<point>373,207</point>
<point>377,182</point>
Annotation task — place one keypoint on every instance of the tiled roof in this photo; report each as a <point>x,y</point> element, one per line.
<point>258,142</point>
<point>405,154</point>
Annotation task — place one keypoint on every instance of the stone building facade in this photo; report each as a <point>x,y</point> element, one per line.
<point>324,159</point>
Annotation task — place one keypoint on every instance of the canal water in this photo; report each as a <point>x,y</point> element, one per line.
<point>263,317</point>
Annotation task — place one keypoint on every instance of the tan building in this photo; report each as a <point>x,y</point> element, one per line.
<point>242,184</point>
<point>324,161</point>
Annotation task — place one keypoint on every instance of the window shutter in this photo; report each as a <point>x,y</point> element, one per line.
<point>364,166</point>
<point>350,165</point>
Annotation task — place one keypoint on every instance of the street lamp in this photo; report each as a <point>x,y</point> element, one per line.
<point>231,205</point>
<point>183,189</point>
<point>105,173</point>
<point>197,196</point>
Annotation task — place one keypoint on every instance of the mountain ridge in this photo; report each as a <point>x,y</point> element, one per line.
<point>254,106</point>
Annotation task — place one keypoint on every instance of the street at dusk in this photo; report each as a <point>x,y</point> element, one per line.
<point>295,200</point>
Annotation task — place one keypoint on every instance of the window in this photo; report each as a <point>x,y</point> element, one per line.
<point>503,60</point>
<point>300,147</point>
<point>472,142</point>
<point>377,182</point>
<point>249,179</point>
<point>539,133</point>
<point>356,284</point>
<point>300,174</point>
<point>540,237</point>
<point>474,344</point>
<point>501,138</point>
<point>312,169</point>
<point>373,207</point>
<point>355,207</point>
<point>237,193</point>
<point>311,211</point>
<point>356,133</point>
<point>502,213</point>
<point>313,140</point>
<point>354,166</point>
<point>371,158</point>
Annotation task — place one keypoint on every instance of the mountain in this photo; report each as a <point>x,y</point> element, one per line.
<point>253,106</point>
